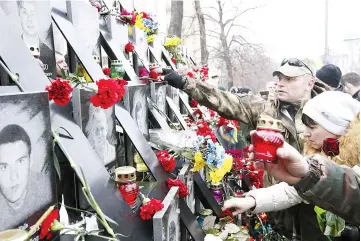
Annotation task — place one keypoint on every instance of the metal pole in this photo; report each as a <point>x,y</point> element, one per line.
<point>327,52</point>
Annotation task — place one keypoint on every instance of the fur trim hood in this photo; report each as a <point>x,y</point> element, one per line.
<point>349,146</point>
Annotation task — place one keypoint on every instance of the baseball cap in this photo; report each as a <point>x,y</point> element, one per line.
<point>294,67</point>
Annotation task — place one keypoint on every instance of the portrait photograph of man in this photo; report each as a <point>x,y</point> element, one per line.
<point>34,24</point>
<point>27,178</point>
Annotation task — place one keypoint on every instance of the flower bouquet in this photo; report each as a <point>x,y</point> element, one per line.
<point>172,44</point>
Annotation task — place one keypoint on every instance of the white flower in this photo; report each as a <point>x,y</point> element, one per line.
<point>211,237</point>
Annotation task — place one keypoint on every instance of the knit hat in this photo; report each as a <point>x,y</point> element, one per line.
<point>333,110</point>
<point>330,74</point>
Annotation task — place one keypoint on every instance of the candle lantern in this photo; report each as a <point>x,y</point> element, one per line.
<point>217,191</point>
<point>126,180</point>
<point>117,69</point>
<point>267,139</point>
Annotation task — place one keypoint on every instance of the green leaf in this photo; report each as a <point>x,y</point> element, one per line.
<point>63,75</point>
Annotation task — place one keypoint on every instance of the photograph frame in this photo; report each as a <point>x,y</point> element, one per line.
<point>99,126</point>
<point>26,131</point>
<point>177,113</point>
<point>166,222</point>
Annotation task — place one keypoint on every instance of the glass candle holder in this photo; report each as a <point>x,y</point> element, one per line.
<point>217,192</point>
<point>117,69</point>
<point>267,139</point>
<point>126,181</point>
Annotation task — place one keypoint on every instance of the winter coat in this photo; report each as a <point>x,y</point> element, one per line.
<point>299,219</point>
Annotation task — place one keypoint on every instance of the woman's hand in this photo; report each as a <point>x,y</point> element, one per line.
<point>240,204</point>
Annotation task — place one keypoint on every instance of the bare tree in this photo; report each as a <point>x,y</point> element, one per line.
<point>223,29</point>
<point>256,68</point>
<point>176,19</point>
<point>202,32</point>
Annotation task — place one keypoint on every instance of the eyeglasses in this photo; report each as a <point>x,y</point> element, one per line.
<point>295,62</point>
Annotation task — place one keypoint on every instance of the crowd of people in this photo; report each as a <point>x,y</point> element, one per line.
<point>318,109</point>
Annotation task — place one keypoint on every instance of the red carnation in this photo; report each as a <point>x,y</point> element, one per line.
<point>331,147</point>
<point>129,48</point>
<point>237,164</point>
<point>235,153</point>
<point>46,225</point>
<point>106,71</point>
<point>182,191</point>
<point>227,213</point>
<point>150,208</point>
<point>109,92</point>
<point>198,113</point>
<point>167,161</point>
<point>193,103</point>
<point>60,91</point>
<point>212,113</point>
<point>173,60</point>
<point>190,75</point>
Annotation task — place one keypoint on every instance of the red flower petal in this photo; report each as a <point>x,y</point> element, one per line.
<point>150,208</point>
<point>45,226</point>
<point>60,91</point>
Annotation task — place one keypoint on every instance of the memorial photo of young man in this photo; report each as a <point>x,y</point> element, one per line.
<point>26,178</point>
<point>29,21</point>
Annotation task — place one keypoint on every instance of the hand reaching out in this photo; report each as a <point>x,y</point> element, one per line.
<point>240,205</point>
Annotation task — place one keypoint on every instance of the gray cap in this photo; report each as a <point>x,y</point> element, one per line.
<point>294,71</point>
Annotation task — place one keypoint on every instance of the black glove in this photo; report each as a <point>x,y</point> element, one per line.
<point>350,233</point>
<point>173,78</point>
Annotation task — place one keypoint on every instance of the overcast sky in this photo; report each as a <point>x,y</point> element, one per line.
<point>297,28</point>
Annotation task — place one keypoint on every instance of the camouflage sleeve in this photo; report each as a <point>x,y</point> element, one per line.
<point>245,108</point>
<point>332,187</point>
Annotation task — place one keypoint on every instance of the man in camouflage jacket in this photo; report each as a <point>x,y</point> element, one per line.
<point>296,85</point>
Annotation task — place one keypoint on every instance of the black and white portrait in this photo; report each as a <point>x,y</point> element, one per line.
<point>33,21</point>
<point>173,93</point>
<point>135,100</point>
<point>27,180</point>
<point>166,223</point>
<point>186,175</point>
<point>99,128</point>
<point>161,102</point>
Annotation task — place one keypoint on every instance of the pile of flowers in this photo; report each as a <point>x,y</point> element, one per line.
<point>141,20</point>
<point>172,45</point>
<point>127,17</point>
<point>210,154</point>
<point>242,168</point>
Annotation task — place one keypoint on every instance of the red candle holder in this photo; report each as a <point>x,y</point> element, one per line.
<point>267,139</point>
<point>127,186</point>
